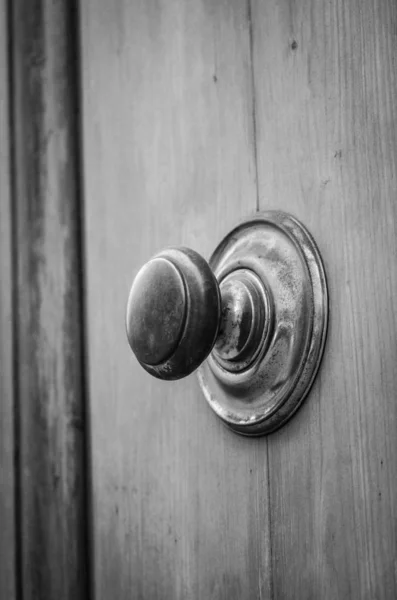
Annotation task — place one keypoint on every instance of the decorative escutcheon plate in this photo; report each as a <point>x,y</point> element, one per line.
<point>274,258</point>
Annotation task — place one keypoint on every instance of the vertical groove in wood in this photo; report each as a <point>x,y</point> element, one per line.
<point>76,53</point>
<point>49,302</point>
<point>7,441</point>
<point>253,97</point>
<point>251,8</point>
<point>270,586</point>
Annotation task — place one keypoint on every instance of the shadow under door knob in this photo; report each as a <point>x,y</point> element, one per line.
<point>257,312</point>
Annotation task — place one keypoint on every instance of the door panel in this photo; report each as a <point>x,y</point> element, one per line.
<point>326,85</point>
<point>179,502</point>
<point>194,115</point>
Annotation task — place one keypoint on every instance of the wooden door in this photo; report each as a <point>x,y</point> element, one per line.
<point>196,114</point>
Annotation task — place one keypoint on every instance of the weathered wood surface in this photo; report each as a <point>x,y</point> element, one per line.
<point>7,444</point>
<point>179,502</point>
<point>326,88</point>
<point>49,338</point>
<point>170,122</point>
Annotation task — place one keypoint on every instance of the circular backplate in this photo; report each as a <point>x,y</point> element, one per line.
<point>283,256</point>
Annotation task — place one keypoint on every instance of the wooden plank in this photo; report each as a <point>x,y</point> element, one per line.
<point>326,89</point>
<point>7,445</point>
<point>169,159</point>
<point>52,478</point>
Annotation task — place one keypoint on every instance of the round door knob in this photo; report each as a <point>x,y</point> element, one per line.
<point>173,313</point>
<point>257,312</point>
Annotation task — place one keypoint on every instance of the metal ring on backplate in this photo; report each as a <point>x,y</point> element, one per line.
<point>276,251</point>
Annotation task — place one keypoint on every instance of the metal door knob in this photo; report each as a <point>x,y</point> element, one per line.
<point>258,312</point>
<point>173,313</point>
<point>177,313</point>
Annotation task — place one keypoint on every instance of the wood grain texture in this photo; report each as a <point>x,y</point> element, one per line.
<point>179,502</point>
<point>7,443</point>
<point>326,88</point>
<point>51,478</point>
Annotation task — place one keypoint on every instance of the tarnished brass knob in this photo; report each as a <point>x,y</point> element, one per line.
<point>177,313</point>
<point>253,320</point>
